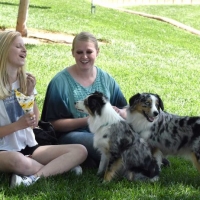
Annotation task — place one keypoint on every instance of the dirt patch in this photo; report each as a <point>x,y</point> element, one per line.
<point>41,36</point>
<point>36,36</point>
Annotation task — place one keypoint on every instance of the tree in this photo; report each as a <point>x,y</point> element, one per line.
<point>22,17</point>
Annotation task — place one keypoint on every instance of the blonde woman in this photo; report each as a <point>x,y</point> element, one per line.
<point>19,152</point>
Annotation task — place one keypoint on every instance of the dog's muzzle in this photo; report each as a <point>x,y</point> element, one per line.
<point>151,118</point>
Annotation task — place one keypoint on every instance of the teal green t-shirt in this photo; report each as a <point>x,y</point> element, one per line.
<point>63,91</point>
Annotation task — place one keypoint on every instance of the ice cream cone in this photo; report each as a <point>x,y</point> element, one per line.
<point>26,102</point>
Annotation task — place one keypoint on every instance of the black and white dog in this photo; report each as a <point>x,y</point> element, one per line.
<point>166,133</point>
<point>121,148</point>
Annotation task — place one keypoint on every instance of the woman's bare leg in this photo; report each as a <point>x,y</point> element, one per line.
<point>46,160</point>
<point>57,159</point>
<point>15,162</point>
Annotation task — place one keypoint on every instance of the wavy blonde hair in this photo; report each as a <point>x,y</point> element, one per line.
<point>6,39</point>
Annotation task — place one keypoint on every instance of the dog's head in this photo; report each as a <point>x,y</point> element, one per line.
<point>147,104</point>
<point>92,104</point>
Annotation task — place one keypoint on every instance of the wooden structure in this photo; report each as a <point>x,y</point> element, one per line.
<point>22,17</point>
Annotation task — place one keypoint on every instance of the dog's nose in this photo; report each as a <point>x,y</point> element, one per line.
<point>155,113</point>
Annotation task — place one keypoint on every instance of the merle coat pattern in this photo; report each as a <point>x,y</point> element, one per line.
<point>121,148</point>
<point>169,133</point>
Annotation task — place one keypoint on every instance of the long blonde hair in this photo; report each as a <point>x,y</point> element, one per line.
<point>6,39</point>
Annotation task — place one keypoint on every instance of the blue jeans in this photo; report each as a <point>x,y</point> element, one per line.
<point>86,139</point>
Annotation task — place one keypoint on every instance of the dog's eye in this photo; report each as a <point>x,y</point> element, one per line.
<point>157,104</point>
<point>147,103</point>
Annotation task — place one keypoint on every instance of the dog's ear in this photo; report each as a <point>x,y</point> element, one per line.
<point>95,104</point>
<point>134,99</point>
<point>161,105</point>
<point>98,93</point>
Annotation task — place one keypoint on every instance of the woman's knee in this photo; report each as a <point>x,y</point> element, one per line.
<point>81,151</point>
<point>17,163</point>
<point>23,163</point>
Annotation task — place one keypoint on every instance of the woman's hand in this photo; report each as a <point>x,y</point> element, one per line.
<point>121,112</point>
<point>28,120</point>
<point>31,82</point>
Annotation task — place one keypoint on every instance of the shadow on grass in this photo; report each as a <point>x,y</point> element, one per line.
<point>31,6</point>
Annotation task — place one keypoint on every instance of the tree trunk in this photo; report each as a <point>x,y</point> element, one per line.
<point>22,17</point>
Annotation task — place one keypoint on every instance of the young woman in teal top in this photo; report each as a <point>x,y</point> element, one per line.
<point>74,83</point>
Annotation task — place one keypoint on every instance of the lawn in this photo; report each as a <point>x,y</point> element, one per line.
<point>191,18</point>
<point>143,55</point>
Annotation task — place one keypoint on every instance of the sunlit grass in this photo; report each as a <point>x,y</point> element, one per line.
<point>143,55</point>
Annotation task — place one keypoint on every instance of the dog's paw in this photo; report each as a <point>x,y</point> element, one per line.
<point>105,181</point>
<point>165,162</point>
<point>154,179</point>
<point>100,174</point>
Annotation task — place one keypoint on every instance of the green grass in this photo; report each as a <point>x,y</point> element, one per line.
<point>143,55</point>
<point>188,15</point>
<point>175,183</point>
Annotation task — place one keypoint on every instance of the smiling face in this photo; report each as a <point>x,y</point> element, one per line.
<point>85,54</point>
<point>148,105</point>
<point>16,53</point>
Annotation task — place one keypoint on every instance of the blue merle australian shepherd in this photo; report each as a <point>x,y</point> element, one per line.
<point>121,148</point>
<point>166,133</point>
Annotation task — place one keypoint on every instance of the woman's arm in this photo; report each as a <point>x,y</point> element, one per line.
<point>36,113</point>
<point>24,122</point>
<point>31,82</point>
<point>27,120</point>
<point>65,125</point>
<point>121,112</point>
